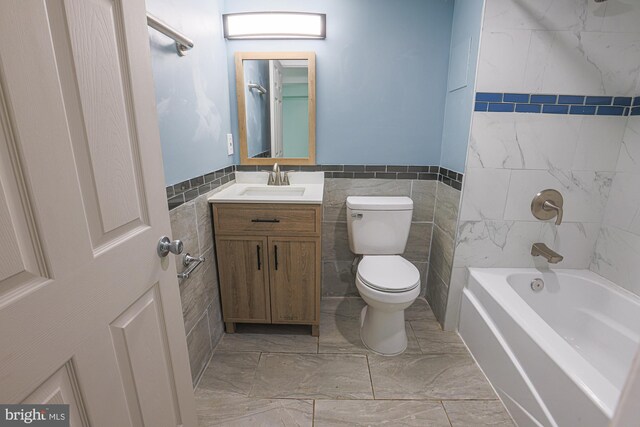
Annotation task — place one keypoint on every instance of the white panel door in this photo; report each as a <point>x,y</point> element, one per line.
<point>89,314</point>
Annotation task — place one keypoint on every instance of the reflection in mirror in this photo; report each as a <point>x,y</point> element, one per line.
<point>276,107</point>
<point>277,97</point>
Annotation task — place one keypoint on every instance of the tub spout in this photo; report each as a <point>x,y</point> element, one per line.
<point>540,249</point>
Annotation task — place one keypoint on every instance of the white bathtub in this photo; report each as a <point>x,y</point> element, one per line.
<point>558,357</point>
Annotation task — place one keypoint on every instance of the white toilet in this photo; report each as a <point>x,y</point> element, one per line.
<point>378,229</point>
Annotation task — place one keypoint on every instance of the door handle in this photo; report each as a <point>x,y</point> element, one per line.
<point>275,256</point>
<point>165,245</point>
<point>258,253</point>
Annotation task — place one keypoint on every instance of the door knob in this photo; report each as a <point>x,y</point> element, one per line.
<point>165,245</point>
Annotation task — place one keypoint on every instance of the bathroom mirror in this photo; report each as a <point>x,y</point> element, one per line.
<point>276,107</point>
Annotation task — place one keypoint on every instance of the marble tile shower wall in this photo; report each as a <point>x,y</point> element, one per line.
<point>191,222</point>
<point>569,47</point>
<point>618,246</point>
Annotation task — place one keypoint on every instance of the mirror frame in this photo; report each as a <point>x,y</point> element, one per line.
<point>242,115</point>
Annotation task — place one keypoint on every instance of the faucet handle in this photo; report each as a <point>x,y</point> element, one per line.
<point>272,178</point>
<point>285,178</point>
<point>547,204</point>
<point>550,206</point>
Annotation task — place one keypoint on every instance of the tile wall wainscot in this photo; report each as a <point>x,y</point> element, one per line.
<point>421,173</point>
<point>421,183</point>
<point>530,51</point>
<point>442,248</point>
<point>191,222</point>
<point>434,190</point>
<point>188,190</point>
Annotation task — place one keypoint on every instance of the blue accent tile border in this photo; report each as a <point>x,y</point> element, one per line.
<point>496,102</point>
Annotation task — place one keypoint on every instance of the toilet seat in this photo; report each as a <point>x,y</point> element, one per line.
<point>388,273</point>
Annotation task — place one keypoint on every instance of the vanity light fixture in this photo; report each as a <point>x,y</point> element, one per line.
<point>274,25</point>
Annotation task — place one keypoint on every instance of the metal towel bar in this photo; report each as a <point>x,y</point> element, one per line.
<point>192,263</point>
<point>257,87</point>
<point>183,43</point>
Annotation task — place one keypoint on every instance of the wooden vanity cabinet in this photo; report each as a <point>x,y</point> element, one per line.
<point>269,263</point>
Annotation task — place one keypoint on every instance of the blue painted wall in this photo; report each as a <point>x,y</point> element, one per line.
<point>465,36</point>
<point>381,76</point>
<point>257,106</point>
<point>192,92</point>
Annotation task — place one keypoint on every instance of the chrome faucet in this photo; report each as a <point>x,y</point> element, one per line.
<point>540,249</point>
<point>276,178</point>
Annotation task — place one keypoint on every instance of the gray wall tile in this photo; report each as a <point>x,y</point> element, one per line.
<point>436,295</point>
<point>200,295</point>
<point>337,279</point>
<point>441,259</point>
<point>197,292</point>
<point>204,223</point>
<point>446,211</point>
<point>419,242</point>
<point>423,194</point>
<point>183,227</point>
<point>335,242</point>
<point>199,347</point>
<point>216,325</point>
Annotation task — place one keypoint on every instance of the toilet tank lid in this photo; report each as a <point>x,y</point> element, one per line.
<point>379,203</point>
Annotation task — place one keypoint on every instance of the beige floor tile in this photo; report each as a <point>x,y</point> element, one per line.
<point>312,376</point>
<point>339,335</point>
<point>282,381</point>
<point>235,411</point>
<point>342,308</point>
<point>432,339</point>
<point>419,310</point>
<point>478,414</point>
<point>230,374</point>
<point>330,413</point>
<point>269,338</point>
<point>428,376</point>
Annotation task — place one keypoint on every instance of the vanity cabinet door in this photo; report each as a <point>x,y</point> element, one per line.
<point>244,278</point>
<point>295,279</point>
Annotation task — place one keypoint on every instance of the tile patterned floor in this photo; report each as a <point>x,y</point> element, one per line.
<point>282,376</point>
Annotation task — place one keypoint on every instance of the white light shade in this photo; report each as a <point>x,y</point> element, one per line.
<point>274,25</point>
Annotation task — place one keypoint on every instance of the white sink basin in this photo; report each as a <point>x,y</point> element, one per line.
<point>275,191</point>
<point>251,187</point>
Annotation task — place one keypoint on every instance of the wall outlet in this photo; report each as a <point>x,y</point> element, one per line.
<point>229,144</point>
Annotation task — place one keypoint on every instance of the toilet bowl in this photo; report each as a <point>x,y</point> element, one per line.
<point>389,285</point>
<point>378,229</point>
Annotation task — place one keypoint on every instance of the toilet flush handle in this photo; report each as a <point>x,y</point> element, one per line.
<point>356,215</point>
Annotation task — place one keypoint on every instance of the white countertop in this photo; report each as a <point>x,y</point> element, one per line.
<point>311,183</point>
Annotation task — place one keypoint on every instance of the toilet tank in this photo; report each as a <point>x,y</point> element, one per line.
<point>378,225</point>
